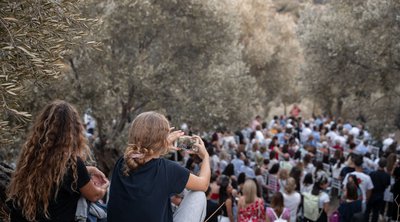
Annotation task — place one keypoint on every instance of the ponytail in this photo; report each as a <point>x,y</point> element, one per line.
<point>135,157</point>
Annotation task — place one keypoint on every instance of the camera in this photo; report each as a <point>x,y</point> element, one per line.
<point>187,143</point>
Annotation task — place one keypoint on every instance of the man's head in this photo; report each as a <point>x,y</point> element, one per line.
<point>357,160</point>
<point>382,162</point>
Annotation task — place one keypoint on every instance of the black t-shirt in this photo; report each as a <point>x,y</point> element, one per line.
<point>144,195</point>
<point>63,208</point>
<point>381,181</point>
<point>211,208</point>
<point>348,209</point>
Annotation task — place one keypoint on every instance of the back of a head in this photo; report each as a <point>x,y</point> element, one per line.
<point>290,185</point>
<point>308,179</point>
<point>357,160</point>
<point>317,185</point>
<point>241,178</point>
<point>58,127</point>
<point>250,191</point>
<point>382,162</point>
<point>53,146</point>
<point>274,169</point>
<point>229,170</point>
<point>148,135</point>
<point>272,155</point>
<point>351,191</point>
<point>277,202</point>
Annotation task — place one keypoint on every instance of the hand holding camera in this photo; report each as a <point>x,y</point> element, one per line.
<point>192,144</point>
<point>187,143</point>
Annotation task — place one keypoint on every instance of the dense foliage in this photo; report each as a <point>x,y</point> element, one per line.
<point>35,36</point>
<point>352,59</point>
<point>207,63</point>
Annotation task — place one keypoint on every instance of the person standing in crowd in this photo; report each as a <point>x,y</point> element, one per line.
<point>143,182</point>
<point>322,200</point>
<point>395,211</point>
<point>277,209</point>
<point>291,198</point>
<point>251,208</point>
<point>256,122</point>
<point>363,179</point>
<point>381,180</point>
<point>89,122</point>
<point>351,205</point>
<point>227,200</point>
<point>238,162</point>
<point>212,207</point>
<point>308,183</point>
<point>295,112</point>
<point>51,175</point>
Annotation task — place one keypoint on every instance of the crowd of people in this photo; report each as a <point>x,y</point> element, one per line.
<point>298,167</point>
<point>286,169</point>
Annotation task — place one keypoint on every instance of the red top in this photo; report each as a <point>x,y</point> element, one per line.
<point>254,212</point>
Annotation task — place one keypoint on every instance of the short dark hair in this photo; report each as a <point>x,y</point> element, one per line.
<point>357,160</point>
<point>308,179</point>
<point>382,162</point>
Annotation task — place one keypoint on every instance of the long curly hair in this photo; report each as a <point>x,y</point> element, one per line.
<point>148,135</point>
<point>53,146</point>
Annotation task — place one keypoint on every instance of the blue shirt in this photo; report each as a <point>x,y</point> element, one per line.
<point>237,165</point>
<point>361,149</point>
<point>144,195</point>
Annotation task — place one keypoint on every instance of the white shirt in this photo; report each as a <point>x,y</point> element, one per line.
<point>259,137</point>
<point>306,189</point>
<point>292,201</point>
<point>336,170</point>
<point>323,198</point>
<point>305,134</point>
<point>228,140</point>
<point>309,168</point>
<point>370,164</point>
<point>355,132</point>
<point>89,121</point>
<point>386,143</point>
<point>331,135</point>
<point>364,180</point>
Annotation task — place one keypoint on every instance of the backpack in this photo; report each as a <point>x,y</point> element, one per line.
<point>335,217</point>
<point>279,219</point>
<point>310,205</point>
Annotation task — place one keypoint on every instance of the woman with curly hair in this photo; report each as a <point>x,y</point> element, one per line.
<point>143,182</point>
<point>51,176</point>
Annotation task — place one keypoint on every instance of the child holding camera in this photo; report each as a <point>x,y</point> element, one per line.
<point>143,182</point>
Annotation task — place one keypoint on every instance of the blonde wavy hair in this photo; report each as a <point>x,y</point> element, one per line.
<point>249,191</point>
<point>53,146</point>
<point>148,135</point>
<point>290,185</point>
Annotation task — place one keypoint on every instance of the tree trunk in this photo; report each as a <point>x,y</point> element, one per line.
<point>339,107</point>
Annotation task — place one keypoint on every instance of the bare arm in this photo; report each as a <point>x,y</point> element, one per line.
<point>326,207</point>
<point>201,182</point>
<point>229,210</point>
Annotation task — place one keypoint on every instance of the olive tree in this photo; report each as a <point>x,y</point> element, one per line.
<point>352,54</point>
<point>181,58</point>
